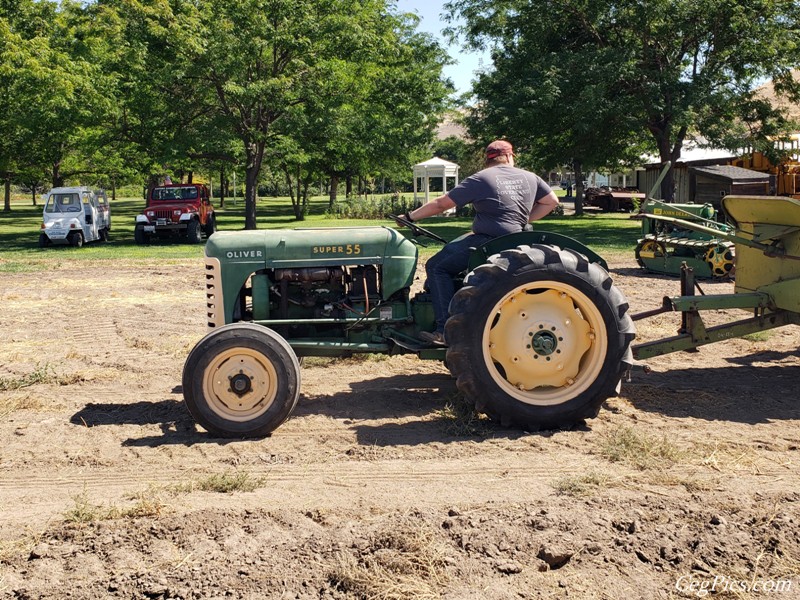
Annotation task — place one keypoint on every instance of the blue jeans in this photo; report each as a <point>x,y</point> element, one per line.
<point>443,266</point>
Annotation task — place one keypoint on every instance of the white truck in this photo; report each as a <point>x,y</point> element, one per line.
<point>74,215</point>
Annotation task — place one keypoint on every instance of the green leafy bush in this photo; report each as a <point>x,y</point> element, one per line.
<point>359,207</point>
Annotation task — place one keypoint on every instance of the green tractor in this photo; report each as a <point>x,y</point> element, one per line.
<point>666,245</point>
<point>766,237</point>
<point>538,334</point>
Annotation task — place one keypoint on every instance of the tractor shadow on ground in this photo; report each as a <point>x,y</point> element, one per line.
<point>742,392</point>
<point>420,409</point>
<point>393,396</point>
<point>171,416</point>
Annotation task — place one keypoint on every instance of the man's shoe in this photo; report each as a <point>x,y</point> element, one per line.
<point>436,338</point>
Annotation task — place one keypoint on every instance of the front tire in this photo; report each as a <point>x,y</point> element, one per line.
<point>241,380</point>
<point>539,337</point>
<point>193,231</point>
<point>211,226</point>
<point>140,237</point>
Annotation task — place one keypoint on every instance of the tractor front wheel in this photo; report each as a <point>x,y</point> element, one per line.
<point>241,380</point>
<point>539,338</point>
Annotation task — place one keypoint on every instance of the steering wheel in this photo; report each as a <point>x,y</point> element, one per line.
<point>416,230</point>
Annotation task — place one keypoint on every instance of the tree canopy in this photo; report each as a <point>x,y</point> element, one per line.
<point>595,77</point>
<point>331,86</point>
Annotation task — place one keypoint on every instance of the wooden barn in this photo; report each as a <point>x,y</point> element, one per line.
<point>692,157</point>
<point>711,183</point>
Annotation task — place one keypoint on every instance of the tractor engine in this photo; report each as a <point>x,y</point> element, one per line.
<point>310,283</point>
<point>324,292</point>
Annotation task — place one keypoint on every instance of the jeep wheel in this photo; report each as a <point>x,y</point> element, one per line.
<point>538,337</point>
<point>139,236</point>
<point>44,241</point>
<point>241,380</point>
<point>193,231</point>
<point>211,226</point>
<point>75,239</point>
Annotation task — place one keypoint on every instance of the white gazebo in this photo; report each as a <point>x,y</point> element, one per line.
<point>434,168</point>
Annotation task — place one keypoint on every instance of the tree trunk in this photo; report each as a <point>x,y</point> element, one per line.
<point>300,213</point>
<point>152,181</point>
<point>7,195</point>
<point>190,177</point>
<point>334,190</point>
<point>250,197</point>
<point>58,178</point>
<point>33,194</point>
<point>222,186</point>
<point>254,154</point>
<point>577,169</point>
<point>348,187</point>
<point>668,152</point>
<point>305,196</point>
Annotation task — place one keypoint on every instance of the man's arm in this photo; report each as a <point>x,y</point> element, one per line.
<point>435,207</point>
<point>543,207</point>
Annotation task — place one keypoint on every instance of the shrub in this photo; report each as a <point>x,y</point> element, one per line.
<point>359,207</point>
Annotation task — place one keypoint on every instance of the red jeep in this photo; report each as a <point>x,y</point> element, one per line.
<point>182,209</point>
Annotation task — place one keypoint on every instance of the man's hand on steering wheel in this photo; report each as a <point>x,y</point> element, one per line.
<point>405,220</point>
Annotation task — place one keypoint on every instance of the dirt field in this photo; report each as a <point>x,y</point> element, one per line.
<point>381,485</point>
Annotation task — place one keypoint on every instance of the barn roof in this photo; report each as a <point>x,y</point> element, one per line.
<point>729,173</point>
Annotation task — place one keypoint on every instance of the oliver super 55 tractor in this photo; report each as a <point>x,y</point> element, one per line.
<point>538,335</point>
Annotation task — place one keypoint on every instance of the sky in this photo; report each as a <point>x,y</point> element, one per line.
<point>430,11</point>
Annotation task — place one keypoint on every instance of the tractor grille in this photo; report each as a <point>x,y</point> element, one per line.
<point>215,309</point>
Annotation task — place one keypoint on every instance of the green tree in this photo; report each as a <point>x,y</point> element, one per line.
<point>28,67</point>
<point>164,120</point>
<point>387,119</point>
<point>675,68</point>
<point>263,58</point>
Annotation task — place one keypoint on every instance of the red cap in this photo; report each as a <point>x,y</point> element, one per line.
<point>499,148</point>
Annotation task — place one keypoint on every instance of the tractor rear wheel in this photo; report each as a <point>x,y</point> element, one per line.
<point>539,337</point>
<point>241,380</point>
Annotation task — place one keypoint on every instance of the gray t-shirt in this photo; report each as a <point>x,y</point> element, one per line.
<point>503,197</point>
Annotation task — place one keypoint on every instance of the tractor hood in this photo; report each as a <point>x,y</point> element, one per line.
<point>295,248</point>
<point>316,247</point>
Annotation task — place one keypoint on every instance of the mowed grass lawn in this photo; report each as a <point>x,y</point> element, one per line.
<point>607,234</point>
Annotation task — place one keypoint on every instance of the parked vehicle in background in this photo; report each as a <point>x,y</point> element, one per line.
<point>75,215</point>
<point>613,199</point>
<point>181,210</point>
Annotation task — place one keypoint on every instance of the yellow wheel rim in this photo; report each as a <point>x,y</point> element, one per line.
<point>651,249</point>
<point>545,343</point>
<point>720,260</point>
<point>240,384</point>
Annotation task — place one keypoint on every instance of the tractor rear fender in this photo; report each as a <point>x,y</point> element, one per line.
<point>527,238</point>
